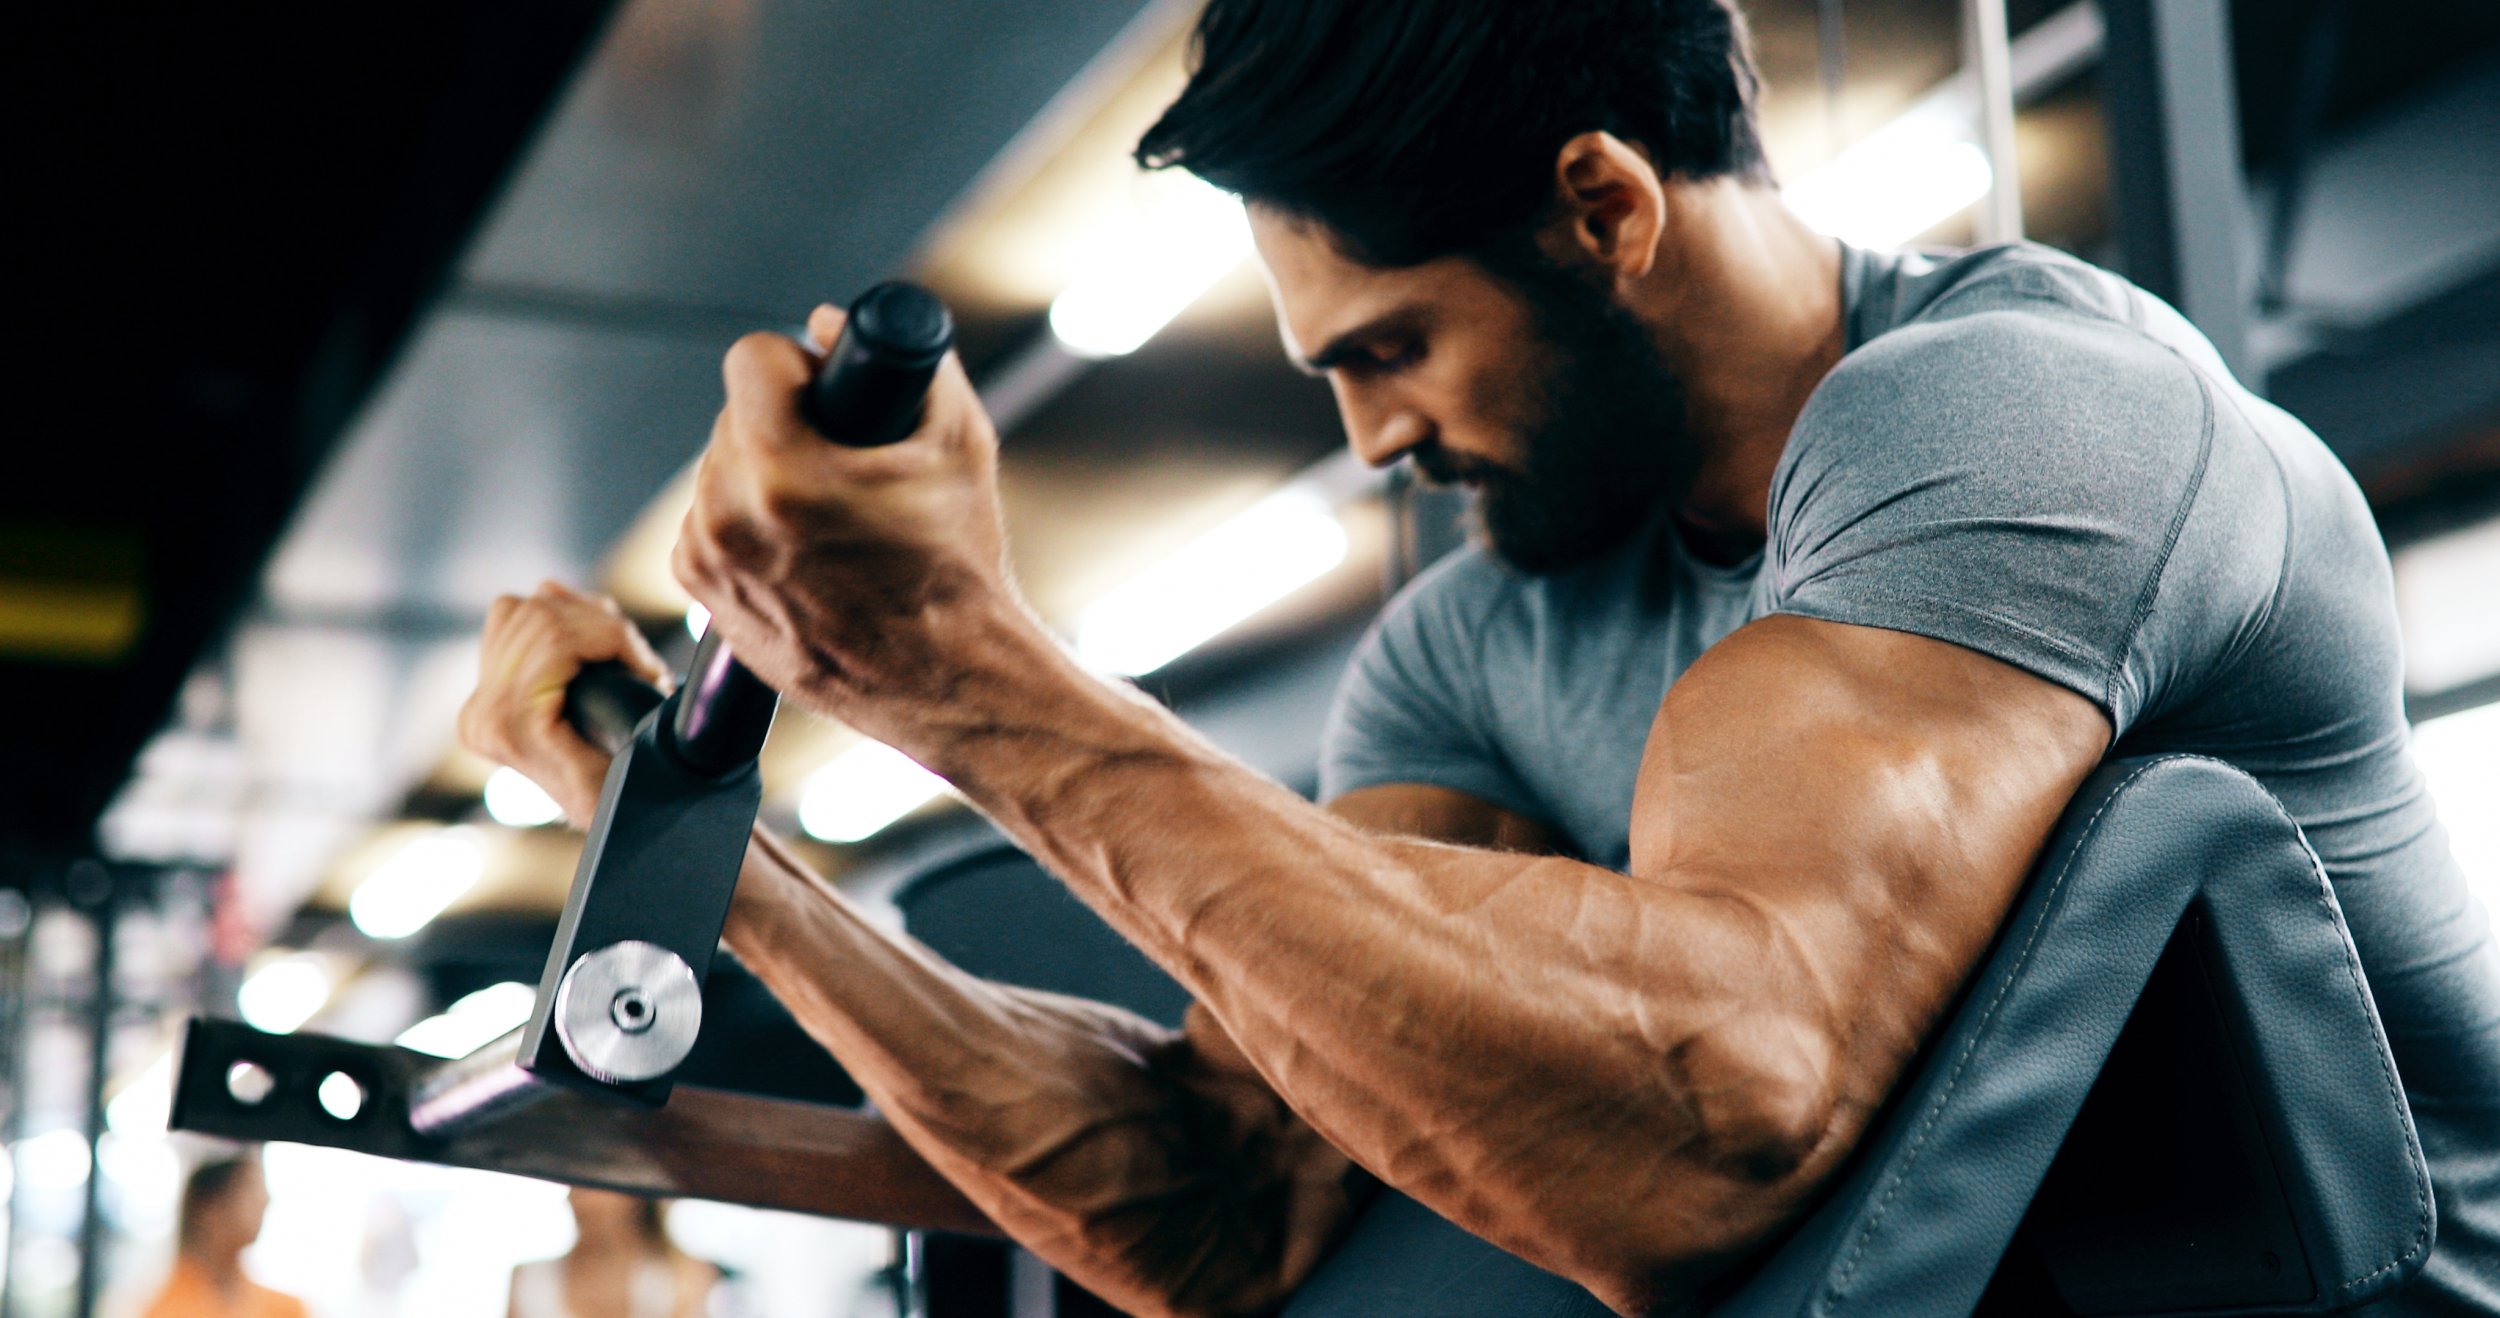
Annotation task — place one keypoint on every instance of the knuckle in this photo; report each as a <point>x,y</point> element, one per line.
<point>480,732</point>
<point>783,504</point>
<point>760,352</point>
<point>685,562</point>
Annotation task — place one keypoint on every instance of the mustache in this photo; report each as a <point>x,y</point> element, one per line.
<point>1442,467</point>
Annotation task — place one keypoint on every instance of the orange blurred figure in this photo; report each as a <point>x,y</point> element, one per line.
<point>222,1205</point>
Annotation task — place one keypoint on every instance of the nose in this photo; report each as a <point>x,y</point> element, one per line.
<point>1378,434</point>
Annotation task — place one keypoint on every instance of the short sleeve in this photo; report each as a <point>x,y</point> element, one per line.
<point>1413,705</point>
<point>2015,483</point>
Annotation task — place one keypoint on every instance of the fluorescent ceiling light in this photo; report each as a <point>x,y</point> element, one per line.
<point>2460,760</point>
<point>413,886</point>
<point>473,1022</point>
<point>1281,544</point>
<point>1183,236</point>
<point>1904,179</point>
<point>2444,603</point>
<point>864,789</point>
<point>515,802</point>
<point>283,994</point>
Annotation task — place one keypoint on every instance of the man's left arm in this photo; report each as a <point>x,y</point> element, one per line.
<point>1627,1078</point>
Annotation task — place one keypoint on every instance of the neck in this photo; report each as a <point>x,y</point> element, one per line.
<point>222,1264</point>
<point>1748,314</point>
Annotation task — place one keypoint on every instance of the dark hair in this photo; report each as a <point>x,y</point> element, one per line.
<point>1414,129</point>
<point>209,1184</point>
<point>651,1219</point>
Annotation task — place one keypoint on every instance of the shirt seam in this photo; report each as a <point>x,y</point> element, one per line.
<point>2169,545</point>
<point>2081,655</point>
<point>2273,607</point>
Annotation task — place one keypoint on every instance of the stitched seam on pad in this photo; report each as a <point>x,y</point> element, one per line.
<point>2170,542</point>
<point>2387,1070</point>
<point>1833,1292</point>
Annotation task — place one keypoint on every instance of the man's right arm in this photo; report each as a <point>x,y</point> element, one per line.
<point>1154,1166</point>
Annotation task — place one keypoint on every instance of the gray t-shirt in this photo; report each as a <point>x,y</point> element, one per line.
<point>2029,457</point>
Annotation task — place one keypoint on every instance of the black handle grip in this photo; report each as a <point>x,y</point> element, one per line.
<point>868,393</point>
<point>723,711</point>
<point>606,702</point>
<point>877,374</point>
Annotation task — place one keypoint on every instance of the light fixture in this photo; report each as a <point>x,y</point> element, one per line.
<point>1182,236</point>
<point>515,802</point>
<point>1900,181</point>
<point>473,1022</point>
<point>864,789</point>
<point>1281,544</point>
<point>427,874</point>
<point>283,994</point>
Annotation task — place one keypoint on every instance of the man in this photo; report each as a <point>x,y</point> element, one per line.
<point>1661,827</point>
<point>222,1206</point>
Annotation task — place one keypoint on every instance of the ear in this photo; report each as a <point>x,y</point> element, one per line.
<point>1613,201</point>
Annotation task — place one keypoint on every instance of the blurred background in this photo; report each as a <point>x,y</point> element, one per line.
<point>347,318</point>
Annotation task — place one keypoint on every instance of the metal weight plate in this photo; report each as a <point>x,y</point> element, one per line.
<point>628,1012</point>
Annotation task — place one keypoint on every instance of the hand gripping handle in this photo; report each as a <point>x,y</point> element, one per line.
<point>868,393</point>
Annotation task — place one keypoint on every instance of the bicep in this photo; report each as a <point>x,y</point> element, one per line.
<point>1873,800</point>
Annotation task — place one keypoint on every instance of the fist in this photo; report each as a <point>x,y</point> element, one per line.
<point>844,576</point>
<point>534,646</point>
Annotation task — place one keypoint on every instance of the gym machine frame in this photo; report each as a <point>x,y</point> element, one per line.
<point>592,1089</point>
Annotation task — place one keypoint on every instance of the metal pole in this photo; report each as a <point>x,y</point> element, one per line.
<point>91,887</point>
<point>1986,49</point>
<point>2174,142</point>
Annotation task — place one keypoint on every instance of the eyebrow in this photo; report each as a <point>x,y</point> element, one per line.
<point>1348,346</point>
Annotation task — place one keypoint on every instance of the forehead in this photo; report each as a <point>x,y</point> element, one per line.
<point>1321,293</point>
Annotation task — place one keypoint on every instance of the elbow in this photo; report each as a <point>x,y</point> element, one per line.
<point>1761,1112</point>
<point>1760,1088</point>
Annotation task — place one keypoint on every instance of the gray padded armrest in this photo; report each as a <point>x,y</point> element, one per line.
<point>1937,1188</point>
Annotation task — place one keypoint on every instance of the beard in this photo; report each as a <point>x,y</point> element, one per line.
<point>1605,448</point>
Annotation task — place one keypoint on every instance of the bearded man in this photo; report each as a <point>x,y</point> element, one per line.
<point>1662,825</point>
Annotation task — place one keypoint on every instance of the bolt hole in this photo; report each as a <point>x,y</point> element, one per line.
<point>249,1083</point>
<point>340,1095</point>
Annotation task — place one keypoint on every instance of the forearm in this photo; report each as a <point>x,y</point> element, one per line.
<point>1105,1143</point>
<point>1464,1023</point>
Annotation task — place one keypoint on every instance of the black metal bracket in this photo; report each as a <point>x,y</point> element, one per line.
<point>659,867</point>
<point>238,1083</point>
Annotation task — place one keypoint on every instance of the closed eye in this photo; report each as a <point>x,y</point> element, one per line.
<point>1378,362</point>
